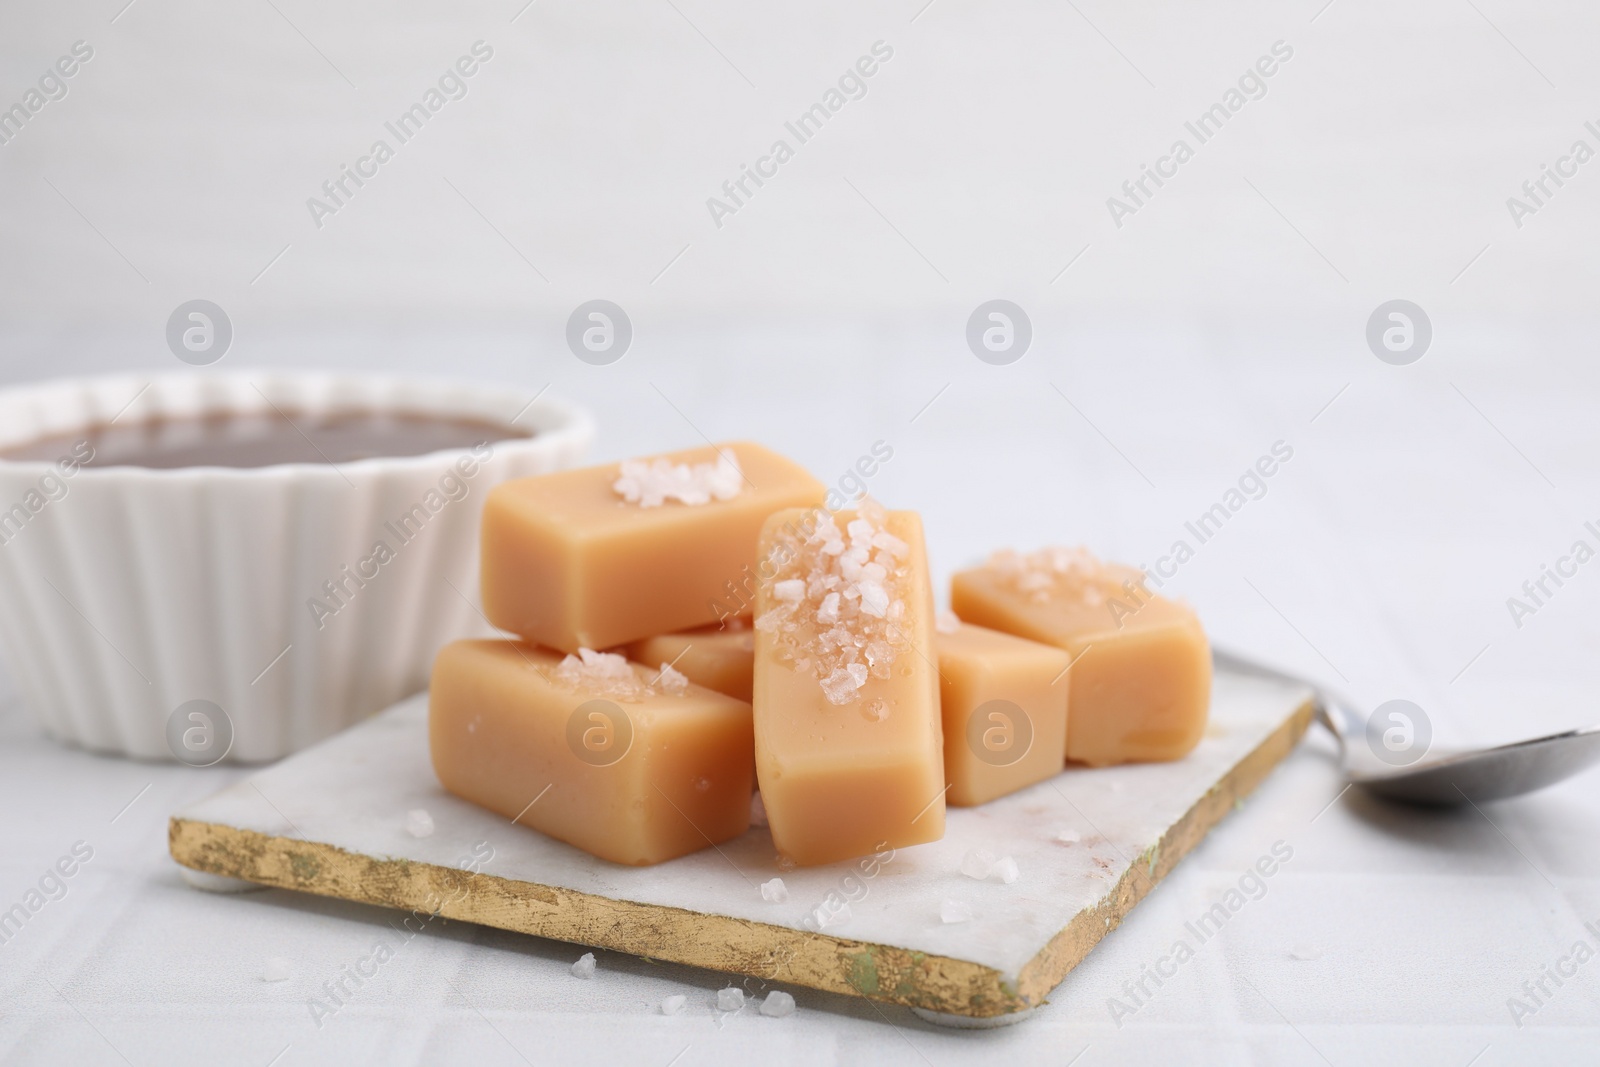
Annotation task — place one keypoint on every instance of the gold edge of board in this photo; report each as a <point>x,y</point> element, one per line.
<point>718,942</point>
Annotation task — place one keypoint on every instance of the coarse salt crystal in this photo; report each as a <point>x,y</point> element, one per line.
<point>891,544</point>
<point>777,1004</point>
<point>419,823</point>
<point>1049,571</point>
<point>955,911</point>
<point>977,863</point>
<point>873,511</point>
<point>1006,870</point>
<point>672,681</point>
<point>584,968</point>
<point>651,483</point>
<point>277,969</point>
<point>674,1004</point>
<point>836,608</point>
<point>774,891</point>
<point>611,675</point>
<point>946,622</point>
<point>730,998</point>
<point>604,673</point>
<point>828,613</point>
<point>840,686</point>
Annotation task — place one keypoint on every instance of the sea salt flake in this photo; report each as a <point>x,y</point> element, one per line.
<point>978,863</point>
<point>946,622</point>
<point>791,590</point>
<point>1006,870</point>
<point>419,823</point>
<point>874,600</point>
<point>773,891</point>
<point>955,911</point>
<point>730,998</point>
<point>277,969</point>
<point>584,968</point>
<point>777,1004</point>
<point>674,1004</point>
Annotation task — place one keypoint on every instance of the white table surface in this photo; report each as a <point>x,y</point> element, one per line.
<point>1219,320</point>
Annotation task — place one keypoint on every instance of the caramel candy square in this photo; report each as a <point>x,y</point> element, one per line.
<point>716,657</point>
<point>606,555</point>
<point>1141,673</point>
<point>1004,704</point>
<point>846,700</point>
<point>630,764</point>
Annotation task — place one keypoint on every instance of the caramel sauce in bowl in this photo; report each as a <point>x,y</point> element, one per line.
<point>203,567</point>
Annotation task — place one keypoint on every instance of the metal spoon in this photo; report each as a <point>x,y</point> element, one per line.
<point>1442,780</point>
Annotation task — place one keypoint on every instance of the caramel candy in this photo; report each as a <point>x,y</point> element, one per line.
<point>1004,704</point>
<point>717,657</point>
<point>630,764</point>
<point>849,749</point>
<point>1141,673</point>
<point>606,555</point>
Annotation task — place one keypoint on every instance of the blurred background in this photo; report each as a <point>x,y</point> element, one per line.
<point>1392,154</point>
<point>1171,346</point>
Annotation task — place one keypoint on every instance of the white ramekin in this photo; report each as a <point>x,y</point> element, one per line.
<point>128,592</point>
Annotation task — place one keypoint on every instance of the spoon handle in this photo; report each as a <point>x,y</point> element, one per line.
<point>1334,710</point>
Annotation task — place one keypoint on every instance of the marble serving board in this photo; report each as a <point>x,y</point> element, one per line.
<point>333,820</point>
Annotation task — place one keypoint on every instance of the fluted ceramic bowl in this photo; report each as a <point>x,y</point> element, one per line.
<point>187,613</point>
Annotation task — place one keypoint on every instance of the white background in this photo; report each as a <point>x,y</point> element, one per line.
<point>1227,314</point>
